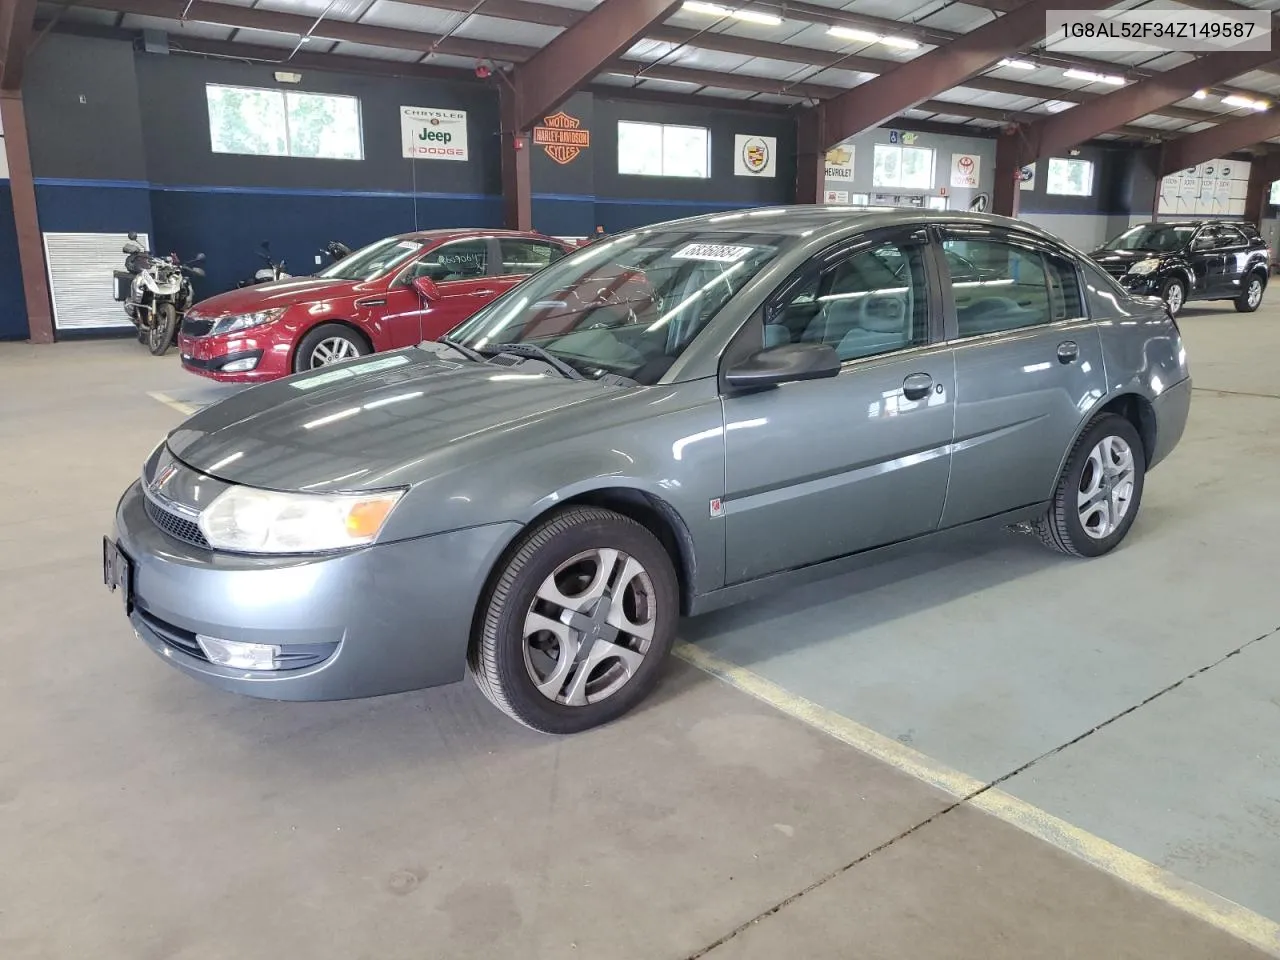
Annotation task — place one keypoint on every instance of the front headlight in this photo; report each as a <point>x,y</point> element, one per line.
<point>243,321</point>
<point>249,520</point>
<point>1144,267</point>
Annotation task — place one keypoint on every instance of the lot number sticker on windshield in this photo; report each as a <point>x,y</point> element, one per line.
<point>715,252</point>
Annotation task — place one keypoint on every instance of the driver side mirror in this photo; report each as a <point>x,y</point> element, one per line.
<point>197,271</point>
<point>132,235</point>
<point>131,247</point>
<point>426,288</point>
<point>199,258</point>
<point>788,363</point>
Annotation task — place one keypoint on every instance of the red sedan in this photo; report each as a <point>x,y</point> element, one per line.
<point>393,293</point>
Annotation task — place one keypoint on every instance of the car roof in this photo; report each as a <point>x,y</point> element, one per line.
<point>808,220</point>
<point>429,236</point>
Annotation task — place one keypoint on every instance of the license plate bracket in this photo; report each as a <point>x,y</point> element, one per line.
<point>117,572</point>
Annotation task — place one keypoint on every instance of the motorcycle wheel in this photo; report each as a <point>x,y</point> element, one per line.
<point>160,333</point>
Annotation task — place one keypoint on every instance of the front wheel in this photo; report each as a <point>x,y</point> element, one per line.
<point>1251,296</point>
<point>1174,295</point>
<point>326,344</point>
<point>577,624</point>
<point>1098,495</point>
<point>163,327</point>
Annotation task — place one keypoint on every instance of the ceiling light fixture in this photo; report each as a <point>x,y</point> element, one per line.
<point>1017,64</point>
<point>1245,103</point>
<point>866,36</point>
<point>715,10</point>
<point>1199,95</point>
<point>1090,77</point>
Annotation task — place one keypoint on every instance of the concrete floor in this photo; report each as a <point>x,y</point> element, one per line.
<point>145,816</point>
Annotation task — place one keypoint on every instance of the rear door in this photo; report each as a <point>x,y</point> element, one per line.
<point>1232,247</point>
<point>1028,362</point>
<point>460,269</point>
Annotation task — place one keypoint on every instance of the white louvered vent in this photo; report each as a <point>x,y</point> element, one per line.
<point>81,279</point>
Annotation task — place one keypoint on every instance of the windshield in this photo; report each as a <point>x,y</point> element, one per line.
<point>1158,237</point>
<point>372,261</point>
<point>628,305</point>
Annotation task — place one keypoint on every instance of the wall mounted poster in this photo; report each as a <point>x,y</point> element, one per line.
<point>1027,177</point>
<point>840,163</point>
<point>837,196</point>
<point>755,156</point>
<point>965,168</point>
<point>431,133</point>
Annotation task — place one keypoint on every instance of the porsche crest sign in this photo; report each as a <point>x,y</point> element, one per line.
<point>562,137</point>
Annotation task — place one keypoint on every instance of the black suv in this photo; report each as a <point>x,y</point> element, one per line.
<point>1181,260</point>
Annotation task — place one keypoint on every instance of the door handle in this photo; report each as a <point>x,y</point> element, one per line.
<point>917,386</point>
<point>1068,351</point>
<point>483,293</point>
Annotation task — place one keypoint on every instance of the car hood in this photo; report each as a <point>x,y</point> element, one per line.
<point>390,420</point>
<point>1128,256</point>
<point>280,293</point>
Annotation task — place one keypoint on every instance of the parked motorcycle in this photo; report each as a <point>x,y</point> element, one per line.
<point>270,273</point>
<point>335,250</point>
<point>156,292</point>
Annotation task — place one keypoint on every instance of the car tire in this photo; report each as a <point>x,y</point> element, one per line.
<point>1174,294</point>
<point>552,592</point>
<point>1104,475</point>
<point>1251,296</point>
<point>332,339</point>
<point>164,327</point>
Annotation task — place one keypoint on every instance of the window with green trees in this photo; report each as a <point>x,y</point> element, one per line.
<point>280,123</point>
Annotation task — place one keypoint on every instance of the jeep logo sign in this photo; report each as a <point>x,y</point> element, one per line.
<point>430,133</point>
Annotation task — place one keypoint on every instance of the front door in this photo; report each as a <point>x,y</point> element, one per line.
<point>1206,263</point>
<point>820,469</point>
<point>1028,366</point>
<point>460,269</point>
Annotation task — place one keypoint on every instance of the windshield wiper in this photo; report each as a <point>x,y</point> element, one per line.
<point>469,352</point>
<point>536,353</point>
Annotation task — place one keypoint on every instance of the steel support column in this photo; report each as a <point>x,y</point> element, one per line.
<point>1005,195</point>
<point>35,285</point>
<point>569,61</point>
<point>517,177</point>
<point>901,88</point>
<point>811,158</point>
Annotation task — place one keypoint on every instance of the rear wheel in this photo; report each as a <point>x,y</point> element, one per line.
<point>1098,496</point>
<point>326,344</point>
<point>1174,295</point>
<point>1251,296</point>
<point>163,327</point>
<point>578,622</point>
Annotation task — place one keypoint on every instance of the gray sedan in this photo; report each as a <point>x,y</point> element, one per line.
<point>663,423</point>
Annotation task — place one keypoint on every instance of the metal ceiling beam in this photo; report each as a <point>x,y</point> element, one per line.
<point>554,73</point>
<point>1054,134</point>
<point>17,18</point>
<point>940,69</point>
<point>1218,141</point>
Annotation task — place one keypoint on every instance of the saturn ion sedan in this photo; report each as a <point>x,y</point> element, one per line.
<point>660,424</point>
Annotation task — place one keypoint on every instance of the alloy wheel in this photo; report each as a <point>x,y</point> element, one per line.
<point>333,350</point>
<point>1174,298</point>
<point>589,627</point>
<point>1106,487</point>
<point>1254,294</point>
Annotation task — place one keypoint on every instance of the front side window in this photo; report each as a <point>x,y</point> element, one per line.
<point>1069,178</point>
<point>371,262</point>
<point>663,150</point>
<point>1001,286</point>
<point>450,262</point>
<point>895,166</point>
<point>628,305</point>
<point>873,302</point>
<point>521,257</point>
<point>283,123</point>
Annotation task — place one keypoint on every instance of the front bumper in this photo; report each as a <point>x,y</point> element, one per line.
<point>386,618</point>
<point>206,357</point>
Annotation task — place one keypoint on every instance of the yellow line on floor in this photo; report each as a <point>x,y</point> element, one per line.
<point>185,409</point>
<point>1224,914</point>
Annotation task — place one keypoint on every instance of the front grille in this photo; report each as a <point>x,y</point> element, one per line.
<point>184,641</point>
<point>176,526</point>
<point>1117,270</point>
<point>197,325</point>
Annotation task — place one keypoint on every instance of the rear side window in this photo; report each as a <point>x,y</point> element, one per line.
<point>1251,233</point>
<point>521,257</point>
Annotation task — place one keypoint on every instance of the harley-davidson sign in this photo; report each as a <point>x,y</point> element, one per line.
<point>562,137</point>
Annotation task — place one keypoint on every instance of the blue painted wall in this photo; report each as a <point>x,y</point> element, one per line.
<point>13,308</point>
